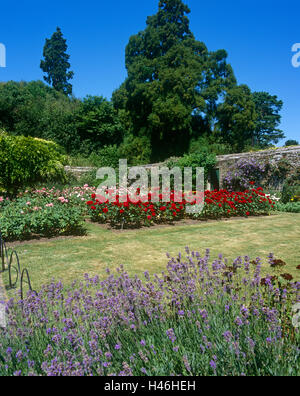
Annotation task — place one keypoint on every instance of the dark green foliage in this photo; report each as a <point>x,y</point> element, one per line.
<point>18,221</point>
<point>56,63</point>
<point>25,161</point>
<point>237,117</point>
<point>290,207</point>
<point>98,123</point>
<point>171,78</point>
<point>137,150</point>
<point>108,156</point>
<point>34,109</point>
<point>291,142</point>
<point>21,106</point>
<point>211,144</point>
<point>201,160</point>
<point>291,188</point>
<point>266,130</point>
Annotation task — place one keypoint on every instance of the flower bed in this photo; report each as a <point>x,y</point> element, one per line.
<point>197,318</point>
<point>44,213</point>
<point>217,204</point>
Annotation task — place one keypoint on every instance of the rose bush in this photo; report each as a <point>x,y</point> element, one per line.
<point>44,212</point>
<point>144,212</point>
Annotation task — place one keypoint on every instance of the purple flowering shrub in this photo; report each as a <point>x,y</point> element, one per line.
<point>243,172</point>
<point>197,318</point>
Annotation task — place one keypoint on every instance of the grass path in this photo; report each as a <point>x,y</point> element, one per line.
<point>145,249</point>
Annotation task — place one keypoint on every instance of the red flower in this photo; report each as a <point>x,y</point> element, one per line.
<point>247,213</point>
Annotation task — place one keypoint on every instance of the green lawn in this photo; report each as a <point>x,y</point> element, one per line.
<point>145,249</point>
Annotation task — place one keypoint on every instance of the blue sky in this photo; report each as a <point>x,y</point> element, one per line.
<point>258,36</point>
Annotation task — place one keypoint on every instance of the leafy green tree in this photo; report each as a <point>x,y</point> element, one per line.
<point>37,110</point>
<point>291,142</point>
<point>56,63</point>
<point>172,78</point>
<point>237,117</point>
<point>266,130</point>
<point>58,122</point>
<point>98,123</point>
<point>21,105</point>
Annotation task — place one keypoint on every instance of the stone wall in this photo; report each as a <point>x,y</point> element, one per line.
<point>224,162</point>
<point>273,156</point>
<point>78,171</point>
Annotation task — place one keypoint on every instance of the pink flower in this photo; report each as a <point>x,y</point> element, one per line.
<point>28,203</point>
<point>50,205</point>
<point>1,199</point>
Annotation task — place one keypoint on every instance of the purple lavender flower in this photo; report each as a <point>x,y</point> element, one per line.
<point>213,364</point>
<point>171,335</point>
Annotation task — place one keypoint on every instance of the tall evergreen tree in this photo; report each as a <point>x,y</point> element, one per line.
<point>172,78</point>
<point>237,117</point>
<point>56,63</point>
<point>268,119</point>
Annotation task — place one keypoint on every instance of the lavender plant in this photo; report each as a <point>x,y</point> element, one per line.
<point>196,318</point>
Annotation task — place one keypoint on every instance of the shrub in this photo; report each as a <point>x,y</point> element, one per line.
<point>108,156</point>
<point>211,145</point>
<point>88,178</point>
<point>195,160</point>
<point>44,213</point>
<point>130,214</point>
<point>137,150</point>
<point>242,173</point>
<point>223,203</point>
<point>291,187</point>
<point>198,318</point>
<point>25,161</point>
<point>127,213</point>
<point>23,220</point>
<point>291,207</point>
